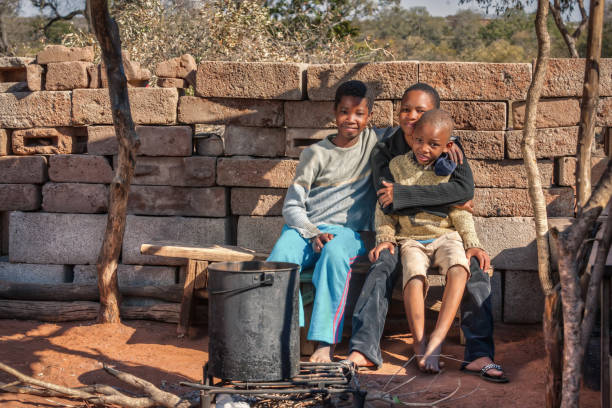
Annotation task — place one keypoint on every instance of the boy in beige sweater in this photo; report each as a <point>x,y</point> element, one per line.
<point>426,239</point>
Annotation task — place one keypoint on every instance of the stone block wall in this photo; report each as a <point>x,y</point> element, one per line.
<point>214,165</point>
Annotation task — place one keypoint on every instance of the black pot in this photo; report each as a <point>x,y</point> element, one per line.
<point>253,321</point>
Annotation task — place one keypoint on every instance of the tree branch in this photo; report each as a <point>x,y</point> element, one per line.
<point>570,41</point>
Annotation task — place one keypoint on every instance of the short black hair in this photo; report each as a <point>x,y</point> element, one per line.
<point>422,86</point>
<point>353,88</point>
<point>437,118</point>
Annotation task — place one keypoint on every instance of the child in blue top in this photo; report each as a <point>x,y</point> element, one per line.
<point>329,200</point>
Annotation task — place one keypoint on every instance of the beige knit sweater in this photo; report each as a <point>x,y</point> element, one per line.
<point>422,226</point>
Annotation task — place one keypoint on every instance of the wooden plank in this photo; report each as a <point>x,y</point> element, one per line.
<point>187,301</point>
<point>605,341</point>
<point>201,274</point>
<point>213,253</point>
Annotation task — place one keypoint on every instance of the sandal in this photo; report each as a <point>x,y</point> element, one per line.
<point>483,373</point>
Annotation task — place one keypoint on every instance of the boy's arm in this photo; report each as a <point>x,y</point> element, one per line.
<point>464,224</point>
<point>385,226</point>
<point>379,162</point>
<point>294,207</point>
<point>459,189</point>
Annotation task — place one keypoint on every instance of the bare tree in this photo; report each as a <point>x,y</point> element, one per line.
<point>551,324</point>
<point>8,8</point>
<point>57,10</point>
<point>557,8</point>
<point>107,32</point>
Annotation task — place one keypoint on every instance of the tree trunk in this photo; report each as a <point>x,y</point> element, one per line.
<point>590,100</point>
<point>107,34</point>
<point>69,292</point>
<point>48,311</point>
<point>550,323</point>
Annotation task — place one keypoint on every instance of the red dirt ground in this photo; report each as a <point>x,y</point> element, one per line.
<point>71,354</point>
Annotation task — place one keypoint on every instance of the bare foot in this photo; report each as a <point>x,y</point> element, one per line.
<point>323,354</point>
<point>360,360</point>
<point>430,363</point>
<point>480,362</point>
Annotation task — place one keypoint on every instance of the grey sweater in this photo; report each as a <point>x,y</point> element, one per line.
<point>332,186</point>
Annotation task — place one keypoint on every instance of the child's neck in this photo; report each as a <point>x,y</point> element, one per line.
<point>341,141</point>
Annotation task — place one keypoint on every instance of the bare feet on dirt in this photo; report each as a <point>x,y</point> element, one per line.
<point>430,362</point>
<point>360,360</point>
<point>477,365</point>
<point>323,354</point>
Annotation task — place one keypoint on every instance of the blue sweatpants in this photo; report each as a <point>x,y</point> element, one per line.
<point>332,274</point>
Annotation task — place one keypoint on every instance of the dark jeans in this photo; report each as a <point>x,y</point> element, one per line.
<point>371,310</point>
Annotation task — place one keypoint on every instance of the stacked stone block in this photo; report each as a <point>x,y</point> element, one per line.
<point>213,166</point>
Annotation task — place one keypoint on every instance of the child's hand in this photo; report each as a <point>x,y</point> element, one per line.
<point>455,154</point>
<point>481,255</point>
<point>385,194</point>
<point>374,253</point>
<point>320,240</point>
<point>467,206</point>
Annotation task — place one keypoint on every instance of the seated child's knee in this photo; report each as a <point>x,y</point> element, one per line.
<point>457,272</point>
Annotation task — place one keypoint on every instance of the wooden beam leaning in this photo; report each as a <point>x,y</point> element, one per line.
<point>211,253</point>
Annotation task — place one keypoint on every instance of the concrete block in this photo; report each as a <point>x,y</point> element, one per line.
<point>209,140</point>
<point>47,238</point>
<point>565,76</point>
<point>80,168</point>
<point>60,53</point>
<point>297,139</point>
<point>259,233</point>
<point>566,170</point>
<point>515,202</point>
<point>149,106</point>
<point>75,198</point>
<point>248,172</point>
<point>63,76</point>
<point>195,171</point>
<point>22,197</point>
<point>134,73</point>
<point>34,273</point>
<point>257,201</point>
<point>482,144</point>
<point>154,140</point>
<point>455,80</point>
<point>5,143</point>
<point>243,112</point>
<point>4,232</point>
<point>254,141</point>
<point>523,297</point>
<point>385,80</point>
<point>140,230</point>
<point>172,83</point>
<point>604,112</point>
<point>309,114</point>
<point>185,201</point>
<point>179,67</point>
<point>26,169</point>
<point>34,77</point>
<point>14,86</point>
<point>551,113</point>
<point>477,115</point>
<point>35,109</point>
<point>129,275</point>
<point>508,173</point>
<point>253,80</point>
<point>60,140</point>
<point>549,143</point>
<point>509,241</point>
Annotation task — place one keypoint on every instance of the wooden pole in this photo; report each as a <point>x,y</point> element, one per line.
<point>107,34</point>
<point>590,100</point>
<point>551,325</point>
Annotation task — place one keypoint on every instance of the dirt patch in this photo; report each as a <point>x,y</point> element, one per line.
<point>72,354</point>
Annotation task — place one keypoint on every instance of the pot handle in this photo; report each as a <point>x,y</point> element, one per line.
<point>266,279</point>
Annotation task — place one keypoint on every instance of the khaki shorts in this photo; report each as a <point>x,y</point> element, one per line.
<point>445,252</point>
